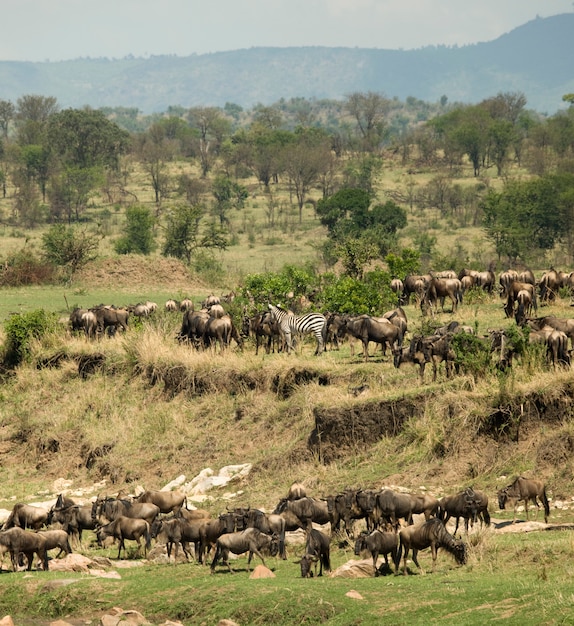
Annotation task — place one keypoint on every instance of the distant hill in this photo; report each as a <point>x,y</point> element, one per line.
<point>535,58</point>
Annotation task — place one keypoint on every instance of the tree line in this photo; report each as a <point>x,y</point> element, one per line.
<point>55,162</point>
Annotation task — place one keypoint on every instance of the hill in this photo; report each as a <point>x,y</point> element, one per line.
<point>533,58</point>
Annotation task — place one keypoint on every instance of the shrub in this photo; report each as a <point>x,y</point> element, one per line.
<point>21,329</point>
<point>24,268</point>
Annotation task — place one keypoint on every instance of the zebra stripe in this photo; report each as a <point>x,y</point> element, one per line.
<point>304,324</point>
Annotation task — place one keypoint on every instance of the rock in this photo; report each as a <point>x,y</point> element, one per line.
<point>355,569</point>
<point>227,622</point>
<point>118,616</point>
<point>60,622</point>
<point>354,594</point>
<point>6,621</point>
<point>73,562</point>
<point>100,573</point>
<point>52,585</point>
<point>261,572</point>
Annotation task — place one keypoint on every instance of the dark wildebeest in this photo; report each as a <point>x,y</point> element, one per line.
<point>193,327</point>
<point>346,507</point>
<point>296,491</point>
<point>512,292</point>
<point>463,504</point>
<point>392,506</point>
<point>378,542</point>
<point>505,279</point>
<point>110,319</point>
<point>549,285</point>
<point>123,528</point>
<point>56,539</point>
<point>249,540</point>
<point>526,490</point>
<point>431,534</point>
<point>176,531</point>
<point>376,329</point>
<point>304,511</point>
<point>556,343</point>
<point>26,516</point>
<point>112,508</point>
<point>210,530</point>
<point>167,501</point>
<point>265,329</point>
<point>18,541</point>
<point>221,330</point>
<point>317,549</point>
<point>438,289</point>
<point>268,523</point>
<point>433,349</point>
<point>414,284</point>
<point>74,519</point>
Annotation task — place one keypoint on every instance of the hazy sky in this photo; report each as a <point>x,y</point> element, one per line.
<point>42,30</point>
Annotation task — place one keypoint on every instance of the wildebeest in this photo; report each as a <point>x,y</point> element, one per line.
<point>73,519</point>
<point>18,541</point>
<point>304,511</point>
<point>56,539</point>
<point>176,531</point>
<point>110,319</point>
<point>392,506</point>
<point>186,305</point>
<point>350,505</point>
<point>438,289</point>
<point>556,343</point>
<point>549,285</point>
<point>210,530</point>
<point>566,325</point>
<point>375,329</point>
<point>193,327</point>
<point>424,503</point>
<point>221,330</point>
<point>431,534</point>
<point>123,528</point>
<point>511,293</point>
<point>296,491</point>
<point>317,550</point>
<point>171,305</point>
<point>414,284</point>
<point>167,501</point>
<point>463,505</point>
<point>268,523</point>
<point>265,329</point>
<point>112,508</point>
<point>526,490</point>
<point>249,540</point>
<point>379,542</point>
<point>432,349</point>
<point>26,516</point>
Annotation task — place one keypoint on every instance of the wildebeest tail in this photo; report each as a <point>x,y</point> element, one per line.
<point>326,561</point>
<point>147,537</point>
<point>398,555</point>
<point>282,545</point>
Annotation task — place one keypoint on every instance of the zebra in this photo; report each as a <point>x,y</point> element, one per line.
<point>309,323</point>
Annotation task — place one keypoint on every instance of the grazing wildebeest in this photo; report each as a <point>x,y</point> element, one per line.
<point>414,284</point>
<point>526,490</point>
<point>549,285</point>
<point>56,539</point>
<point>512,292</point>
<point>249,540</point>
<point>305,511</point>
<point>431,534</point>
<point>463,504</point>
<point>556,343</point>
<point>18,541</point>
<point>433,349</point>
<point>123,528</point>
<point>73,519</point>
<point>167,501</point>
<point>378,542</point>
<point>317,549</point>
<point>26,516</point>
<point>505,279</point>
<point>392,506</point>
<point>112,508</point>
<point>397,287</point>
<point>221,330</point>
<point>171,305</point>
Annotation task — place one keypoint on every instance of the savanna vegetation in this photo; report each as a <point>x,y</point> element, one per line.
<point>288,204</point>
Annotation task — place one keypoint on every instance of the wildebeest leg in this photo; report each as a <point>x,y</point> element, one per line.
<point>251,553</point>
<point>415,560</point>
<point>434,552</point>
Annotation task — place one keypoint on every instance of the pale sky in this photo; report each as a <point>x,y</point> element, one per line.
<point>54,30</point>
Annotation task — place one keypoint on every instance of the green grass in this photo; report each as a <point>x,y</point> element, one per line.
<point>515,578</point>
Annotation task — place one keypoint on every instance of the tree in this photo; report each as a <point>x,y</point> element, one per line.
<point>341,206</point>
<point>85,138</point>
<point>70,189</point>
<point>355,254</point>
<point>69,248</point>
<point>182,231</point>
<point>138,235</point>
<point>228,195</point>
<point>32,114</point>
<point>7,114</point>
<point>369,111</point>
<point>213,127</point>
<point>154,151</point>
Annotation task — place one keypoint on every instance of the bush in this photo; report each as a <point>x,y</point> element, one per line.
<point>20,329</point>
<point>24,268</point>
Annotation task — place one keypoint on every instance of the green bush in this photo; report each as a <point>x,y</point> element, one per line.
<point>20,329</point>
<point>24,268</point>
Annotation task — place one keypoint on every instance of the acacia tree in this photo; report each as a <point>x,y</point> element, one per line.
<point>212,127</point>
<point>7,114</point>
<point>69,247</point>
<point>32,114</point>
<point>155,150</point>
<point>369,111</point>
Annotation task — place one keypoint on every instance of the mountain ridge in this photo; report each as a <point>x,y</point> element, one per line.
<point>533,59</point>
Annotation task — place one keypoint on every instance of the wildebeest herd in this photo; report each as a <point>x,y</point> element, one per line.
<point>388,518</point>
<point>278,329</point>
